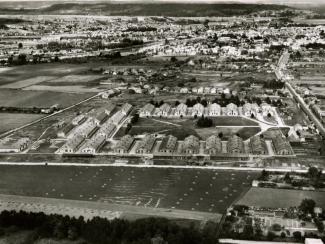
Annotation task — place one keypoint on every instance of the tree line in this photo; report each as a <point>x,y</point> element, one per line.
<point>101,230</point>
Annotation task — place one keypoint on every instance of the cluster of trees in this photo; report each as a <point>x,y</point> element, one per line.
<point>20,60</point>
<point>204,122</point>
<point>57,46</point>
<point>141,28</point>
<point>315,45</point>
<point>191,102</point>
<point>156,103</point>
<point>33,110</point>
<point>134,120</point>
<point>273,84</point>
<point>100,230</point>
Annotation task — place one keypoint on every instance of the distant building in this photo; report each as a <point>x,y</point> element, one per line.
<point>14,145</point>
<point>168,144</point>
<point>266,109</point>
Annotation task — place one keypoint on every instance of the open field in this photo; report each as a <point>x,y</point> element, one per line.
<point>78,89</point>
<point>279,198</point>
<point>28,82</point>
<point>243,132</point>
<point>182,128</point>
<point>187,189</point>
<point>18,73</point>
<point>91,209</point>
<point>233,121</point>
<point>310,21</point>
<point>10,121</point>
<point>42,99</point>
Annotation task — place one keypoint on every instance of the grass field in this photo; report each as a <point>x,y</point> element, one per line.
<point>243,132</point>
<point>10,121</point>
<point>187,189</point>
<point>233,121</point>
<point>279,198</point>
<point>28,82</point>
<point>182,128</point>
<point>18,73</point>
<point>43,99</point>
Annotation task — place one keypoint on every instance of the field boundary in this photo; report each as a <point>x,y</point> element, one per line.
<point>89,209</point>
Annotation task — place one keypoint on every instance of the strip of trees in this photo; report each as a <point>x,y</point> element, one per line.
<point>100,230</point>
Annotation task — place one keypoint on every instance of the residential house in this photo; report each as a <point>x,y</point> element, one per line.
<point>146,144</point>
<point>281,145</point>
<point>235,145</point>
<point>181,110</point>
<point>214,109</point>
<point>168,144</point>
<point>117,118</point>
<point>198,110</point>
<point>65,131</point>
<point>266,109</point>
<point>71,145</point>
<point>147,110</point>
<point>258,145</point>
<point>231,110</point>
<point>94,144</point>
<point>124,144</point>
<point>213,145</point>
<point>78,120</point>
<point>250,109</point>
<point>164,110</point>
<point>191,145</point>
<point>86,129</point>
<point>126,109</point>
<point>107,129</point>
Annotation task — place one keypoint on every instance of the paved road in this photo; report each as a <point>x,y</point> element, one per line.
<point>306,109</point>
<point>287,169</point>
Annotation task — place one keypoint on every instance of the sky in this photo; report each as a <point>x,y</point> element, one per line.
<point>194,1</point>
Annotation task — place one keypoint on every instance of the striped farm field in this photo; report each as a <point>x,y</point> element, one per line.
<point>185,189</point>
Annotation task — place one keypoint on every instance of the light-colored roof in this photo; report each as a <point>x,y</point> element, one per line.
<point>124,143</point>
<point>191,142</point>
<point>213,142</point>
<point>147,142</point>
<point>235,143</point>
<point>168,143</point>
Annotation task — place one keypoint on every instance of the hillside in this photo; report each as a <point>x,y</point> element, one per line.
<point>147,9</point>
